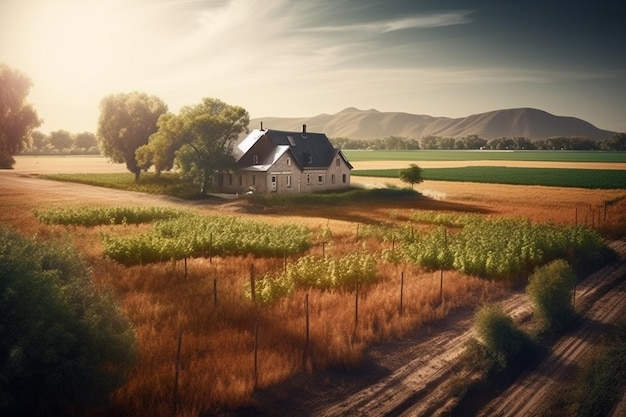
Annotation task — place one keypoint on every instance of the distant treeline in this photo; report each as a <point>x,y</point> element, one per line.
<point>615,143</point>
<point>62,142</point>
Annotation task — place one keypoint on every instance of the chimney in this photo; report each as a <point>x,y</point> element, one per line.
<point>261,125</point>
<point>304,129</point>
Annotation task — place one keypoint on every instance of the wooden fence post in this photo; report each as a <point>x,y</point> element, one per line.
<point>401,291</point>
<point>215,292</point>
<point>306,311</point>
<point>252,283</point>
<point>356,306</point>
<point>211,247</point>
<point>256,354</point>
<point>176,373</point>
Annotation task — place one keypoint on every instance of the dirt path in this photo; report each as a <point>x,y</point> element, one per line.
<point>412,377</point>
<point>531,391</point>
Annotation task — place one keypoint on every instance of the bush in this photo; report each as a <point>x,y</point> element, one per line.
<point>504,344</point>
<point>63,344</point>
<point>550,289</point>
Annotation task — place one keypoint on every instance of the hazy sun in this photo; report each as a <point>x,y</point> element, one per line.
<point>73,42</point>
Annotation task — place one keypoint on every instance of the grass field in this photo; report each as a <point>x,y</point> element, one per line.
<point>436,155</point>
<point>579,178</point>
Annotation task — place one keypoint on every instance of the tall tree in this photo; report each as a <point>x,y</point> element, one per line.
<point>17,118</point>
<point>61,139</point>
<point>200,139</point>
<point>85,140</point>
<point>126,122</point>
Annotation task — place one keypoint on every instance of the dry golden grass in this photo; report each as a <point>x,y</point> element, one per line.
<point>217,356</point>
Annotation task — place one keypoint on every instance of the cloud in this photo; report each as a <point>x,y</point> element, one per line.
<point>423,21</point>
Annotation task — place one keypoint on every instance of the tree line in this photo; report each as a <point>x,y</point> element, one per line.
<point>62,142</point>
<point>472,142</point>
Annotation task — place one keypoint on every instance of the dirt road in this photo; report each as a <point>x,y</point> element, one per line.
<point>412,377</point>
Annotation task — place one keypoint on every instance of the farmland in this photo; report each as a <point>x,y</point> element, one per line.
<point>233,343</point>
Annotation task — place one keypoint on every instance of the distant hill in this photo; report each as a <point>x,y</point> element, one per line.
<point>353,123</point>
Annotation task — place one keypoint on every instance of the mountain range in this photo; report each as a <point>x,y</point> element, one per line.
<point>533,124</point>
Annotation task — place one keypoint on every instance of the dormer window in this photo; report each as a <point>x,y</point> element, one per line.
<point>255,160</point>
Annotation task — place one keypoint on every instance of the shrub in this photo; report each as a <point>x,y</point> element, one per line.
<point>550,289</point>
<point>63,344</point>
<point>504,344</point>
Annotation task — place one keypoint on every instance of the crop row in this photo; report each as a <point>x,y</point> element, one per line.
<point>95,216</point>
<point>323,274</point>
<point>503,248</point>
<point>191,235</point>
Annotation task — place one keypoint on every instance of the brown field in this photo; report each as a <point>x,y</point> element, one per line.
<point>217,358</point>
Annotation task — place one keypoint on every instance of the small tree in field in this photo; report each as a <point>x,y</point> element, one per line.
<point>411,175</point>
<point>550,289</point>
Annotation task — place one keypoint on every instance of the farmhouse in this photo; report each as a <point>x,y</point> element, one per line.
<point>274,161</point>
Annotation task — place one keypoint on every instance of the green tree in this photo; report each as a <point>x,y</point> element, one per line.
<point>17,118</point>
<point>615,143</point>
<point>61,139</point>
<point>411,175</point>
<point>200,139</point>
<point>127,120</point>
<point>39,140</point>
<point>64,345</point>
<point>85,140</point>
<point>551,288</point>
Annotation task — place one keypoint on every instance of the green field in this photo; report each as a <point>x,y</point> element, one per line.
<point>549,156</point>
<point>579,178</point>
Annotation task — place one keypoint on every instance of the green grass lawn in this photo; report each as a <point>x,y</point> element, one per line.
<point>549,156</point>
<point>164,184</point>
<point>579,178</point>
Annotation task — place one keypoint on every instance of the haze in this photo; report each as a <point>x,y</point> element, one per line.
<point>291,58</point>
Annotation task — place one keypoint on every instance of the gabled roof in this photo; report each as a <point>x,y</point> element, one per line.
<point>309,150</point>
<point>269,160</point>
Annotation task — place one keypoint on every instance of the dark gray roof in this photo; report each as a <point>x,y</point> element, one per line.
<point>310,150</point>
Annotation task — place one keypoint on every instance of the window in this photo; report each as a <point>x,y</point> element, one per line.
<point>337,162</point>
<point>332,178</point>
<point>288,181</point>
<point>288,162</point>
<point>308,178</point>
<point>345,178</point>
<point>320,179</point>
<point>255,160</point>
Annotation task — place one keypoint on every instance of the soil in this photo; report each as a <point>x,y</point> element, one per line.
<point>413,376</point>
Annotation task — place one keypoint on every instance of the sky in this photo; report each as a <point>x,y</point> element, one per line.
<point>299,58</point>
